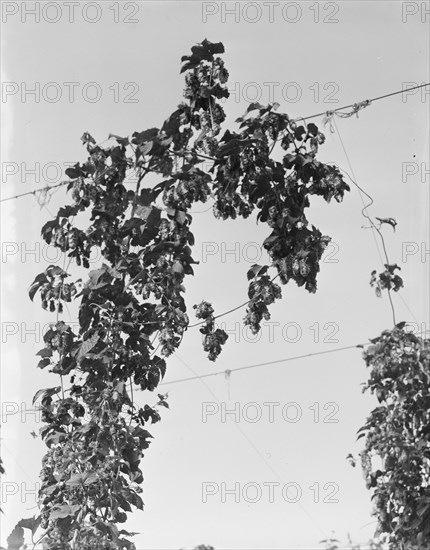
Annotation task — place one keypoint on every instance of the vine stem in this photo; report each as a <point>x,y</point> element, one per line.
<point>210,98</point>
<point>374,226</point>
<point>65,268</point>
<point>230,310</point>
<point>132,400</point>
<point>365,215</point>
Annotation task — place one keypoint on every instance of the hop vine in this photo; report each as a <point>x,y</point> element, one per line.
<point>132,311</point>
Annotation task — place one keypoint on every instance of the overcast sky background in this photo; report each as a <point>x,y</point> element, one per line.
<point>362,50</point>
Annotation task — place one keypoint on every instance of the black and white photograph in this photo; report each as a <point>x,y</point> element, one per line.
<point>215,253</point>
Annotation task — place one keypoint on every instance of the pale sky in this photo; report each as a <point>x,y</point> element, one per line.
<point>309,57</point>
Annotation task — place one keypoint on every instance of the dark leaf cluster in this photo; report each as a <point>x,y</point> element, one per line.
<point>396,456</point>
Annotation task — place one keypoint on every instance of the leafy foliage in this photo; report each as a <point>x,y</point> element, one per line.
<point>96,435</point>
<point>389,221</point>
<point>262,292</point>
<point>214,338</point>
<point>396,457</point>
<point>387,280</point>
<point>332,544</point>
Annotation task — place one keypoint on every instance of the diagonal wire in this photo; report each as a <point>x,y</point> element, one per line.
<point>355,106</point>
<point>256,449</point>
<point>46,188</point>
<point>277,361</point>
